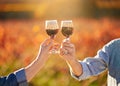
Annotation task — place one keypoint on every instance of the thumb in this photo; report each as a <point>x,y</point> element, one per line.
<point>50,44</point>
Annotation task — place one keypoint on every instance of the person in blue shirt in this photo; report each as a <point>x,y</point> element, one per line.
<point>107,58</point>
<point>24,75</point>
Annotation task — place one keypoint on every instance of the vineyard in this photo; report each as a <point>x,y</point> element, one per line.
<point>20,41</point>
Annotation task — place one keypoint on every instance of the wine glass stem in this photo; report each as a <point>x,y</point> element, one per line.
<point>68,39</point>
<point>52,37</point>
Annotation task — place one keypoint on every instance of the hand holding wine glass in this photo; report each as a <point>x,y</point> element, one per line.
<point>67,28</point>
<point>52,29</point>
<point>67,50</point>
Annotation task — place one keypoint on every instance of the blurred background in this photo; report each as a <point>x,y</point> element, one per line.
<point>22,29</point>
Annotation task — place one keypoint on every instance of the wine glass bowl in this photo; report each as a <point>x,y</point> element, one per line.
<point>67,28</point>
<point>51,27</point>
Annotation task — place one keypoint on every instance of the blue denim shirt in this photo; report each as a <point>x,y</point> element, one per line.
<point>107,58</point>
<point>17,78</point>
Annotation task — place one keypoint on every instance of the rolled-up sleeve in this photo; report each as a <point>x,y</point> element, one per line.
<point>85,73</point>
<point>93,66</point>
<point>21,77</point>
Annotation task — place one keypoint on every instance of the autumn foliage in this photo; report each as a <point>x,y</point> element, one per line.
<point>20,40</point>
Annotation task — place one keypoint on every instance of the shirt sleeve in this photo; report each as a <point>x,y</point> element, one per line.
<point>93,66</point>
<point>10,80</point>
<point>21,77</point>
<point>17,78</point>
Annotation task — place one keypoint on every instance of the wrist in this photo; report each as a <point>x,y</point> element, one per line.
<point>71,60</point>
<point>75,67</point>
<point>42,58</point>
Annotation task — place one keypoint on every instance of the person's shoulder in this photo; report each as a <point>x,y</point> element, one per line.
<point>114,42</point>
<point>117,40</point>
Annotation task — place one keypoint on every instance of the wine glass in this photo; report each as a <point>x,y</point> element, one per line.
<point>52,29</point>
<point>67,28</point>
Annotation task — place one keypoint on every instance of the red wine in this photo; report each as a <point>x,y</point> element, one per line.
<point>52,32</point>
<point>67,31</point>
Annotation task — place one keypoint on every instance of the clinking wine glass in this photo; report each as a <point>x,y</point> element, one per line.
<point>67,28</point>
<point>52,29</point>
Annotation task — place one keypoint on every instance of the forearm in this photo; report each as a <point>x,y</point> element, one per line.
<point>75,66</point>
<point>32,69</point>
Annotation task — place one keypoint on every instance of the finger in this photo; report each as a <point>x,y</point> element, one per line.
<point>46,42</point>
<point>68,45</point>
<point>65,40</point>
<point>62,51</point>
<point>49,44</point>
<point>68,48</point>
<point>56,46</point>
